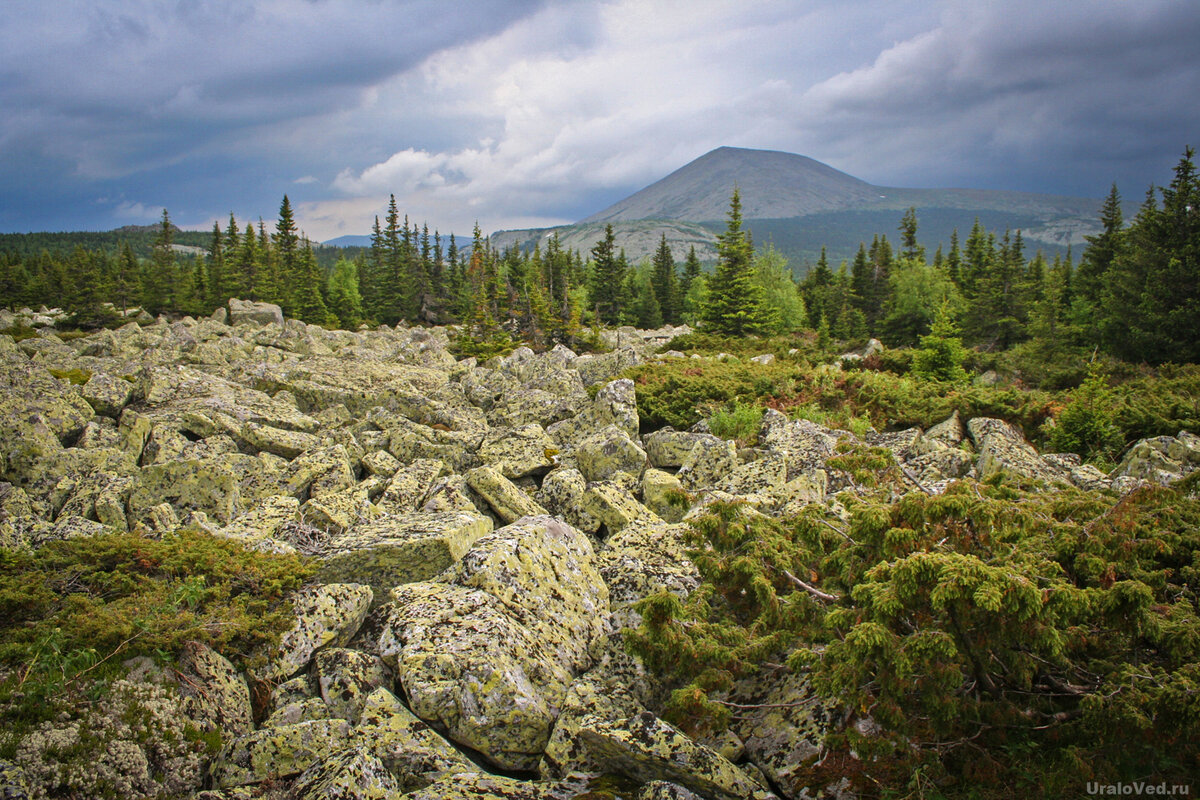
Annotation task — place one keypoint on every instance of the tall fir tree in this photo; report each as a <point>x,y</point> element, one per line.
<point>607,279</point>
<point>666,286</point>
<point>735,304</point>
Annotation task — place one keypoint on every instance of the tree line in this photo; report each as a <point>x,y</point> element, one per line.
<point>1134,294</point>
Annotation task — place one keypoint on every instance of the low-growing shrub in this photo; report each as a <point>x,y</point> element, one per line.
<point>740,421</point>
<point>72,611</point>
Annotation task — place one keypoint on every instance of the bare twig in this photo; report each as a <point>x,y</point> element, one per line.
<point>824,597</point>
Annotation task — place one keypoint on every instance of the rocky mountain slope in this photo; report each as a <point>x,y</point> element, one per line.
<point>483,532</point>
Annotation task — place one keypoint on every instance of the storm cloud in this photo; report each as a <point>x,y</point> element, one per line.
<point>516,114</point>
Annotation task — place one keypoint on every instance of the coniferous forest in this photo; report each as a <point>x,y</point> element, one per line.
<point>1020,618</point>
<point>1133,294</point>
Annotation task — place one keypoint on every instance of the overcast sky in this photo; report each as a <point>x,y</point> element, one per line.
<point>519,114</point>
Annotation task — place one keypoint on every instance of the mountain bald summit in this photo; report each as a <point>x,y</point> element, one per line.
<point>773,184</point>
<point>802,205</point>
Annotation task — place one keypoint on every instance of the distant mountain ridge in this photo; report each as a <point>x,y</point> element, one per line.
<point>801,204</point>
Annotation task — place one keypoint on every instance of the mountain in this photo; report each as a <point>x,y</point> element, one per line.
<point>349,241</point>
<point>799,205</point>
<point>773,185</point>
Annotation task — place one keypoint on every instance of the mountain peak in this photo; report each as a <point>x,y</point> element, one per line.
<point>773,185</point>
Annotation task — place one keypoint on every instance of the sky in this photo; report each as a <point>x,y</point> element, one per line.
<point>516,113</point>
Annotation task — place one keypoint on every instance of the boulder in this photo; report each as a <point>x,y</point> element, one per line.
<point>248,311</point>
<point>406,746</point>
<point>562,495</point>
<point>395,550</point>
<point>660,493</point>
<point>1002,447</point>
<point>645,748</point>
<point>783,725</point>
<point>278,752</point>
<point>710,462</point>
<point>502,495</point>
<point>490,652</point>
<point>348,775</point>
<point>215,695</point>
<point>615,404</point>
<point>607,452</point>
<point>107,396</point>
<point>518,452</point>
<point>326,616</point>
<point>614,506</point>
<point>345,678</point>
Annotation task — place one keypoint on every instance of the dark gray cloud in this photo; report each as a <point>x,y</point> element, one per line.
<point>522,113</point>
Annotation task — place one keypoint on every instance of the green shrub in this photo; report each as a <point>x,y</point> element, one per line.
<point>72,611</point>
<point>740,421</point>
<point>1087,425</point>
<point>1009,643</point>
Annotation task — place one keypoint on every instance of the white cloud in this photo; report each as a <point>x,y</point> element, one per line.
<point>136,212</point>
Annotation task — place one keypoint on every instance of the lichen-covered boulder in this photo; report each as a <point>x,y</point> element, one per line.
<point>215,693</point>
<point>645,748</point>
<point>394,550</point>
<point>337,512</point>
<point>1002,447</point>
<point>709,463</point>
<point>1160,459</point>
<point>284,443</point>
<point>466,664</point>
<point>248,311</point>
<point>607,452</point>
<point>326,616</point>
<point>806,444</point>
<point>411,751</point>
<point>614,506</point>
<point>762,474</point>
<point>517,452</point>
<point>949,431</point>
<point>107,395</point>
<point>615,404</point>
<point>348,775</point>
<point>490,653</point>
<point>502,495</point>
<point>668,448</point>
<point>643,559</point>
<point>326,469</point>
<point>345,678</point>
<point>483,786</point>
<point>562,493</point>
<point>208,485</point>
<point>278,752</point>
<point>660,491</point>
<point>264,521</point>
<point>410,484</point>
<point>783,724</point>
<point>616,688</point>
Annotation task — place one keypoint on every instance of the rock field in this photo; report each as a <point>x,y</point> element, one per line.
<point>483,532</point>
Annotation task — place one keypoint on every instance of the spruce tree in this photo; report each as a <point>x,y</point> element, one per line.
<point>666,287</point>
<point>345,301</point>
<point>1102,250</point>
<point>160,277</point>
<point>307,302</point>
<point>287,252</point>
<point>735,301</point>
<point>607,280</point>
